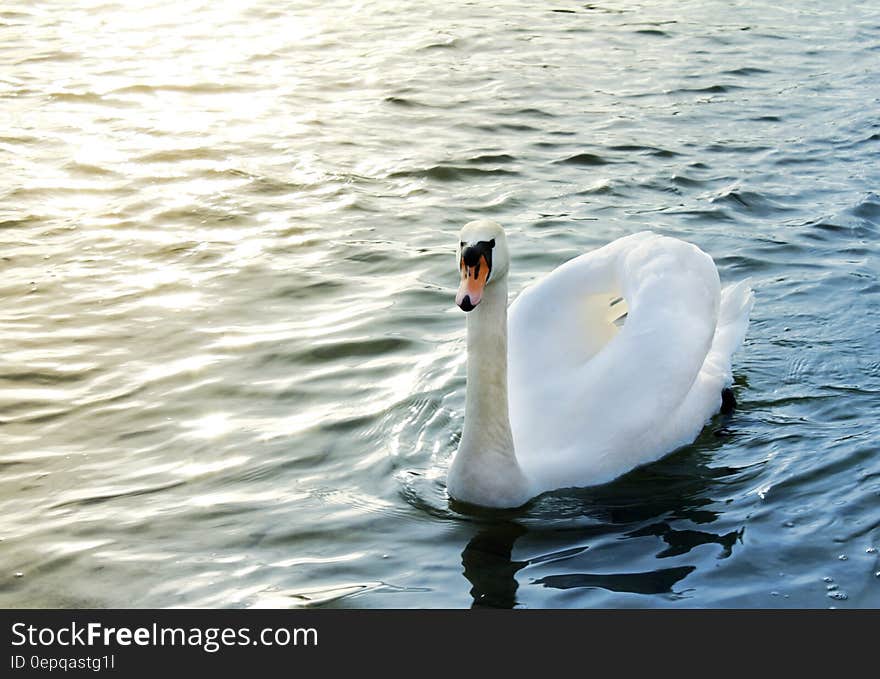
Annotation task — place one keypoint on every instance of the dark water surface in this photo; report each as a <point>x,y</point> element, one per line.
<point>231,371</point>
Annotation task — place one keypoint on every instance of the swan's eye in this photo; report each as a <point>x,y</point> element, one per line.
<point>476,261</point>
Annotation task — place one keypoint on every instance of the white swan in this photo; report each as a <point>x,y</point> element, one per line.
<point>560,395</point>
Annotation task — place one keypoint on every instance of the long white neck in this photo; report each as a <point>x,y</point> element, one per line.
<point>485,470</point>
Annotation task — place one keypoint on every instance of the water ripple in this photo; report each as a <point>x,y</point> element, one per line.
<point>232,372</point>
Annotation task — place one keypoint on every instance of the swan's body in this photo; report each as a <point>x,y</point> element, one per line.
<point>559,395</point>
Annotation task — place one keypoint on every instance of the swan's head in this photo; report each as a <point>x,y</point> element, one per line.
<point>482,260</point>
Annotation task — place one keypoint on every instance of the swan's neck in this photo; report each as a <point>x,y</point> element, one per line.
<point>485,470</point>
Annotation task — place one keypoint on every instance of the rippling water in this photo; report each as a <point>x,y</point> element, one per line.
<point>231,371</point>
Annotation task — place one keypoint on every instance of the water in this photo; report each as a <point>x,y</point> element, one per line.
<point>231,371</point>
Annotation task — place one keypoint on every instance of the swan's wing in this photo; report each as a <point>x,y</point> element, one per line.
<point>704,398</point>
<point>589,401</point>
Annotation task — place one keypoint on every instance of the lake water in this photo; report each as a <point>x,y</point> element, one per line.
<point>231,369</point>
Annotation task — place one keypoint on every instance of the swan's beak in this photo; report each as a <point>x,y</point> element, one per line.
<point>474,273</point>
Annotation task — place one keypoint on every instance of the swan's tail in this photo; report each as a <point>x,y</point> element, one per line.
<point>733,321</point>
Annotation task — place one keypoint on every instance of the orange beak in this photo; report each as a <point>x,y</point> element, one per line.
<point>473,280</point>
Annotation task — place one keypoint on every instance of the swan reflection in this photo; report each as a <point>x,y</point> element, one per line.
<point>564,533</point>
<point>489,567</point>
